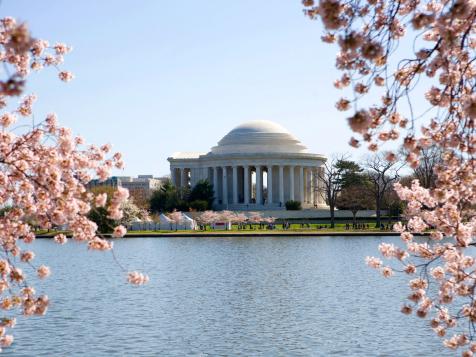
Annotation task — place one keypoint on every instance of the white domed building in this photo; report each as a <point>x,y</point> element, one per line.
<point>258,165</point>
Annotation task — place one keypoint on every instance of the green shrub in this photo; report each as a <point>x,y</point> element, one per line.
<point>99,216</point>
<point>199,205</point>
<point>202,191</point>
<point>293,205</point>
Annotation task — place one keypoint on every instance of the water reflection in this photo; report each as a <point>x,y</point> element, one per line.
<point>223,296</point>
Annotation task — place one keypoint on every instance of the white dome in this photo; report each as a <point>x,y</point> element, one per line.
<point>259,136</point>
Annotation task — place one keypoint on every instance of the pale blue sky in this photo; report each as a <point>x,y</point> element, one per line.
<point>155,77</point>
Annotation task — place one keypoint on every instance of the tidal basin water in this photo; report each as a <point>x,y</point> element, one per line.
<point>309,296</point>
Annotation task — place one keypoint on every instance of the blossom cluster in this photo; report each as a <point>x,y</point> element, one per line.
<point>44,172</point>
<point>443,259</point>
<point>372,36</point>
<point>368,32</point>
<point>210,217</point>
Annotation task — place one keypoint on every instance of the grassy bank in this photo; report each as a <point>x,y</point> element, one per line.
<point>295,229</point>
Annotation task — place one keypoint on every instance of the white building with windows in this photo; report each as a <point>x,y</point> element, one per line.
<point>258,165</point>
<point>142,182</point>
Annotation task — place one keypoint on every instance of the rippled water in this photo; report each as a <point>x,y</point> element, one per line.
<point>223,297</point>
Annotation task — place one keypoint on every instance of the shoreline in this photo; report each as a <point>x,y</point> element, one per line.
<point>247,234</point>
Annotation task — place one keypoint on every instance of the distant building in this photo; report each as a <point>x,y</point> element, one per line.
<point>257,165</point>
<point>140,187</point>
<point>112,181</point>
<point>142,182</point>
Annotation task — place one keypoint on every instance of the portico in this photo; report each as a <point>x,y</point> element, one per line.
<point>258,165</point>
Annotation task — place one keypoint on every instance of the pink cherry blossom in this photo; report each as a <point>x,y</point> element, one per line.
<point>45,172</point>
<point>6,340</point>
<point>100,200</point>
<point>373,262</point>
<point>43,272</point>
<point>387,272</point>
<point>99,244</point>
<point>137,278</point>
<point>441,65</point>
<point>66,76</point>
<point>119,231</point>
<point>61,49</point>
<point>27,256</point>
<point>60,239</point>
<point>7,119</point>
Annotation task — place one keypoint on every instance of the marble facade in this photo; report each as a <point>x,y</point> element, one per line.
<point>258,165</point>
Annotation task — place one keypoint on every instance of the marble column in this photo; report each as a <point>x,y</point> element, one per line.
<point>235,184</point>
<point>301,184</point>
<point>281,184</point>
<point>225,186</point>
<point>308,185</point>
<point>173,176</point>
<point>215,183</point>
<point>180,178</point>
<point>291,183</point>
<point>315,182</point>
<point>246,183</point>
<point>270,184</point>
<point>184,178</point>
<point>259,185</point>
<point>313,186</point>
<point>193,174</point>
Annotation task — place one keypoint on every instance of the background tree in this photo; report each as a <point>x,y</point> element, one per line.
<point>336,173</point>
<point>351,174</point>
<point>392,203</point>
<point>158,199</point>
<point>176,217</point>
<point>381,174</point>
<point>103,189</point>
<point>202,191</point>
<point>140,197</point>
<point>167,199</point>
<point>356,197</point>
<point>293,205</point>
<point>199,205</point>
<point>132,213</point>
<point>425,172</point>
<point>207,218</point>
<point>100,215</point>
<point>4,210</point>
<point>254,218</point>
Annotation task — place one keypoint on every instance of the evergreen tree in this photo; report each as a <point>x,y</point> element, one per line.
<point>203,191</point>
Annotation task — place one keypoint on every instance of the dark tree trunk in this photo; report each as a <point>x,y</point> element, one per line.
<point>377,212</point>
<point>354,215</point>
<point>332,215</point>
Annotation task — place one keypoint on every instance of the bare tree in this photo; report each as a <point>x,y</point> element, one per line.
<point>381,174</point>
<point>332,177</point>
<point>425,171</point>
